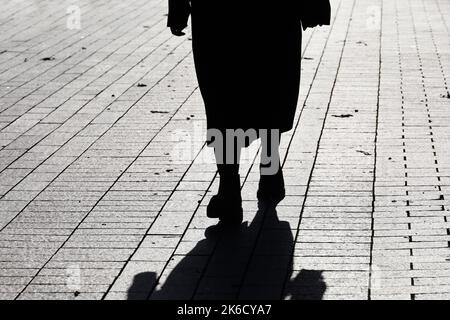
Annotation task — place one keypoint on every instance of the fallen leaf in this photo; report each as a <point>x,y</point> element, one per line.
<point>364,152</point>
<point>157,111</point>
<point>342,115</point>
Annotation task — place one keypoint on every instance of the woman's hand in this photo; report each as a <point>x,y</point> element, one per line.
<point>179,11</point>
<point>177,32</point>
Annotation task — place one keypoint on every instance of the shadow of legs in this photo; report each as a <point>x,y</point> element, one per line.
<point>249,262</point>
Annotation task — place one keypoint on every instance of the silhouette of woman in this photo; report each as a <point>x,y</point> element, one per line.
<point>247,59</point>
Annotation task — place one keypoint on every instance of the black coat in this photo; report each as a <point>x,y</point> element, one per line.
<point>247,57</point>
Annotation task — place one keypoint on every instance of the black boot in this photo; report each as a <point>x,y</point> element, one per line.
<point>271,187</point>
<point>227,204</point>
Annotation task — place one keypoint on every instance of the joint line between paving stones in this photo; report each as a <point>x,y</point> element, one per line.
<point>375,153</point>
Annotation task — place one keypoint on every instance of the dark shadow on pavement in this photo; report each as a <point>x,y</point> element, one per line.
<point>248,262</point>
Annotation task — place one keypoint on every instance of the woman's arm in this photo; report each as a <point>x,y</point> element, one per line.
<point>179,11</point>
<point>315,13</point>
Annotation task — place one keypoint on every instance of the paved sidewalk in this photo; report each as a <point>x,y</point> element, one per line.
<point>104,176</point>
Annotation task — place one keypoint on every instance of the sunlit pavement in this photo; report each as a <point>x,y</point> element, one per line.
<point>104,175</point>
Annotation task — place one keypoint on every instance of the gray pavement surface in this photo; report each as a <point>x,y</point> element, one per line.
<point>104,175</point>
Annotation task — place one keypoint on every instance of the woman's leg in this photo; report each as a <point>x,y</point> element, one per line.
<point>227,159</point>
<point>270,156</point>
<point>227,204</point>
<point>271,183</point>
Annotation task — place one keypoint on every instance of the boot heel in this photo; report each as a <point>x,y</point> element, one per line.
<point>227,204</point>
